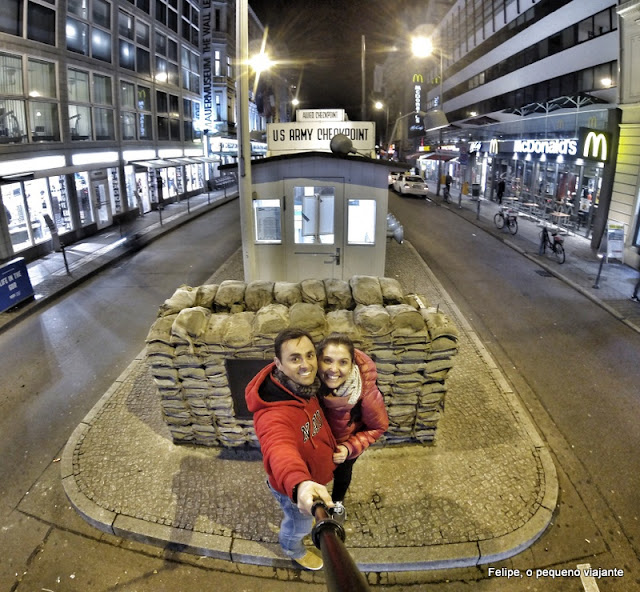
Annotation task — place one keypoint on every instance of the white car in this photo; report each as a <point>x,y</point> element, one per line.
<point>411,185</point>
<point>392,178</point>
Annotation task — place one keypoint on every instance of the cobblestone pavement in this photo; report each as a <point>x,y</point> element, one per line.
<point>485,491</point>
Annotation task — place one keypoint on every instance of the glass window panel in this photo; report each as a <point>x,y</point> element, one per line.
<point>19,229</point>
<point>161,12</point>
<point>174,105</point>
<point>101,45</point>
<point>144,98</point>
<point>78,82</point>
<point>145,127</point>
<point>77,36</point>
<point>104,124</point>
<point>60,204</point>
<point>161,70</point>
<point>42,79</point>
<point>172,49</point>
<point>11,17</point>
<point>172,20</point>
<point>127,55</point>
<point>602,22</point>
<point>266,213</point>
<point>84,203</point>
<point>13,121</point>
<point>41,24</point>
<point>101,13</point>
<point>142,33</point>
<point>125,25</point>
<point>44,121</point>
<point>161,44</point>
<point>128,125</point>
<point>39,208</point>
<point>173,74</point>
<point>161,102</point>
<point>143,5</point>
<point>102,90</point>
<point>143,61</point>
<point>585,29</point>
<point>174,125</point>
<point>361,222</point>
<point>163,128</point>
<point>79,8</point>
<point>11,75</point>
<point>186,108</point>
<point>186,9</point>
<point>188,131</point>
<point>313,218</point>
<point>80,122</point>
<point>127,95</point>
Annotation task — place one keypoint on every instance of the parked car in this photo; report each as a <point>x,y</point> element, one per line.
<point>392,178</point>
<point>411,185</point>
<point>398,180</point>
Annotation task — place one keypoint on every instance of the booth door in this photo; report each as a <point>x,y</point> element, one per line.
<point>314,228</point>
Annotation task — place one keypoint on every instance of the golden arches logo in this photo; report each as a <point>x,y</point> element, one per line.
<point>418,78</point>
<point>493,146</point>
<point>594,144</point>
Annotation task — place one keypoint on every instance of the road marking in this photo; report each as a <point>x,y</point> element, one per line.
<point>588,582</point>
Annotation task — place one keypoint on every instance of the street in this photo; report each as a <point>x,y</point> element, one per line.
<point>572,364</point>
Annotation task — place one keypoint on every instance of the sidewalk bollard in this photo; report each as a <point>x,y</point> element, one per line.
<point>341,572</point>
<point>597,284</point>
<point>188,205</point>
<point>478,209</point>
<point>160,213</point>
<point>64,257</point>
<point>460,200</point>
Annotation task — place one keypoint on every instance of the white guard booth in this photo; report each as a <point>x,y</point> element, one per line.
<point>318,215</point>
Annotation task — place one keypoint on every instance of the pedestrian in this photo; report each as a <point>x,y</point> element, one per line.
<point>295,439</point>
<point>352,403</point>
<point>501,188</point>
<point>447,184</point>
<point>634,297</point>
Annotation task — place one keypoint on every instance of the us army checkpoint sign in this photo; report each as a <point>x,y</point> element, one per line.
<point>285,138</point>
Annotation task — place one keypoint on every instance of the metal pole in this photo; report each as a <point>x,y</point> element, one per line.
<point>440,131</point>
<point>597,284</point>
<point>363,107</point>
<point>64,256</point>
<point>244,146</point>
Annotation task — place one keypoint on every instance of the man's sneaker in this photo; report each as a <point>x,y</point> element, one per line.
<point>310,561</point>
<point>635,298</point>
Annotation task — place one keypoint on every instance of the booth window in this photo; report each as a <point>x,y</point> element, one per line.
<point>361,222</point>
<point>313,215</point>
<point>266,213</point>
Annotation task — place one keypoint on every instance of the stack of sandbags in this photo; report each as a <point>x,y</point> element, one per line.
<point>200,331</point>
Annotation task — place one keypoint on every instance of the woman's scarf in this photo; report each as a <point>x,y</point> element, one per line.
<point>352,387</point>
<point>306,392</point>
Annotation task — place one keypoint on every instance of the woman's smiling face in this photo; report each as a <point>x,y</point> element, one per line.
<point>334,365</point>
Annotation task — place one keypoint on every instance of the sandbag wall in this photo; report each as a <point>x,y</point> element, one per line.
<point>200,328</point>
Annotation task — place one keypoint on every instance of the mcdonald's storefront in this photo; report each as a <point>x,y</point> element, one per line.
<point>566,170</point>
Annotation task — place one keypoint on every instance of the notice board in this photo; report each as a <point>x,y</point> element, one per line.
<point>15,285</point>
<point>615,240</point>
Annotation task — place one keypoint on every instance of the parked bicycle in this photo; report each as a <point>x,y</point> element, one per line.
<point>554,241</point>
<point>446,194</point>
<point>506,216</point>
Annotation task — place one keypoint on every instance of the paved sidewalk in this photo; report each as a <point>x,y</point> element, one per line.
<point>58,272</point>
<point>484,492</point>
<point>582,270</point>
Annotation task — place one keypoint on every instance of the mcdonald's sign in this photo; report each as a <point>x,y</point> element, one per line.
<point>419,78</point>
<point>493,146</point>
<point>594,144</point>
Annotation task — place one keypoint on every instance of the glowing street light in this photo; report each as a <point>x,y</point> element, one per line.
<point>421,47</point>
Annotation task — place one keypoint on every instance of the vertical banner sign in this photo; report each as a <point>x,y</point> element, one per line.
<point>207,74</point>
<point>615,240</point>
<point>415,123</point>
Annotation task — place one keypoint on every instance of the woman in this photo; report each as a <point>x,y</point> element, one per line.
<point>352,404</point>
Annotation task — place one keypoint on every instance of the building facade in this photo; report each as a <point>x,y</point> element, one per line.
<point>93,94</point>
<point>525,85</point>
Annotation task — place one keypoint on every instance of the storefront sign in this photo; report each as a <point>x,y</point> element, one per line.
<point>494,146</point>
<point>475,147</point>
<point>416,126</point>
<point>303,115</point>
<point>15,285</point>
<point>564,147</point>
<point>594,144</point>
<point>207,72</point>
<point>300,137</point>
<point>615,240</point>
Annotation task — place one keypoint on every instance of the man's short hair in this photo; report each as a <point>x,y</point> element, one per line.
<point>287,335</point>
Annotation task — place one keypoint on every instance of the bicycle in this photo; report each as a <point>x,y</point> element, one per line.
<point>506,216</point>
<point>554,244</point>
<point>446,194</point>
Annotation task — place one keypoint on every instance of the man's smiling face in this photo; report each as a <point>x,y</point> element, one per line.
<point>298,361</point>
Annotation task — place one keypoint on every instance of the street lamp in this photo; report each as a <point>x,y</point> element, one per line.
<point>379,105</point>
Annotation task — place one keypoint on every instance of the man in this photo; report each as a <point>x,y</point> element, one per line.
<point>296,442</point>
<point>501,188</point>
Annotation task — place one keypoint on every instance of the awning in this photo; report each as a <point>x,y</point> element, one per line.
<point>184,160</point>
<point>444,156</point>
<point>157,163</point>
<point>205,159</point>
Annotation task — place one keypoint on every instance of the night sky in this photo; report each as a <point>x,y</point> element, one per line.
<point>324,37</point>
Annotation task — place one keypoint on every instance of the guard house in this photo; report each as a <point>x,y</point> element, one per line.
<point>318,213</point>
